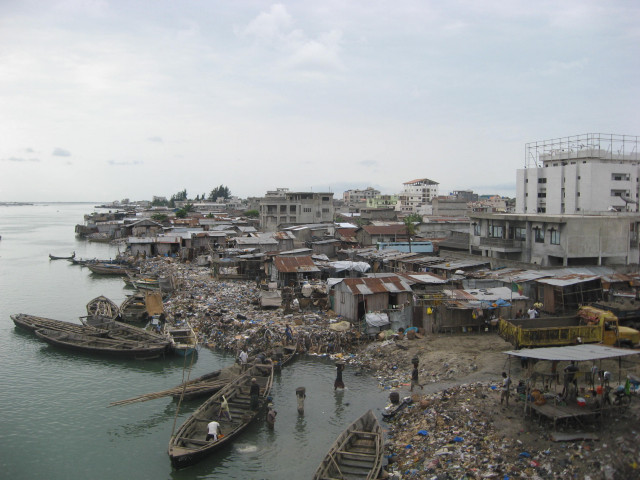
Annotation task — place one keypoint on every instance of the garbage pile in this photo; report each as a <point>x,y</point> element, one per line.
<point>391,359</point>
<point>228,316</point>
<point>451,434</point>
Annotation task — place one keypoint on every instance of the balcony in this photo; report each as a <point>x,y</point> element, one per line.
<point>502,244</point>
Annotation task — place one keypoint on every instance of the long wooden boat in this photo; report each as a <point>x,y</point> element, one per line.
<point>189,444</point>
<point>55,257</point>
<point>102,307</point>
<point>213,380</point>
<point>356,453</point>
<point>121,331</point>
<point>33,323</point>
<point>100,345</point>
<point>110,268</point>
<point>142,282</point>
<point>184,340</point>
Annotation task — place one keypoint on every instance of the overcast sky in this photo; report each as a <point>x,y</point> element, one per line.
<point>104,100</point>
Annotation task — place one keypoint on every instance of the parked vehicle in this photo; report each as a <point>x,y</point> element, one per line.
<point>589,325</point>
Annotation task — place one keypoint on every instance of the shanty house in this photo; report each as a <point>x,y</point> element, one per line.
<point>353,297</point>
<point>289,271</point>
<point>372,234</point>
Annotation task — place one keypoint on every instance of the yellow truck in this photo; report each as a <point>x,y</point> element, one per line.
<point>589,325</point>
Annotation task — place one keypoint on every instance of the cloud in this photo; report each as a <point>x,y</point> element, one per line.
<point>274,30</point>
<point>155,139</point>
<point>120,164</point>
<point>61,152</point>
<point>269,26</point>
<point>368,163</point>
<point>20,159</point>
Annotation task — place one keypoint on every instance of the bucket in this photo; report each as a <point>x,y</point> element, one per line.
<point>599,389</point>
<point>394,397</point>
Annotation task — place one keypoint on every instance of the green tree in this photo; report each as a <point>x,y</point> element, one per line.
<point>181,213</point>
<point>252,213</point>
<point>219,192</point>
<point>410,226</point>
<point>159,217</point>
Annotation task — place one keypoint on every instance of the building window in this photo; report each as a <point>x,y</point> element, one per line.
<point>542,195</point>
<point>620,177</point>
<point>520,233</point>
<point>542,180</point>
<point>542,210</point>
<point>554,236</point>
<point>496,231</point>
<point>476,229</point>
<point>619,193</point>
<point>306,209</point>
<point>325,210</point>
<point>325,199</point>
<point>539,235</point>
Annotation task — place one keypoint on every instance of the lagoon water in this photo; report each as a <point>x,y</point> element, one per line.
<point>55,420</point>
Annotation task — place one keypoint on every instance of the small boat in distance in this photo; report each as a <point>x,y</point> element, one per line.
<point>55,257</point>
<point>33,323</point>
<point>356,453</point>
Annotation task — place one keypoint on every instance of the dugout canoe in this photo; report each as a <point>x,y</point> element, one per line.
<point>33,323</point>
<point>189,445</point>
<point>356,453</point>
<point>125,349</point>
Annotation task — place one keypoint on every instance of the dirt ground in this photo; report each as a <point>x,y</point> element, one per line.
<point>470,435</point>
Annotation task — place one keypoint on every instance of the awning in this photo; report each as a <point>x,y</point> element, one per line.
<point>577,353</point>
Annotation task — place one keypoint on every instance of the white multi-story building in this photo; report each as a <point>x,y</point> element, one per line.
<point>583,174</point>
<point>417,193</point>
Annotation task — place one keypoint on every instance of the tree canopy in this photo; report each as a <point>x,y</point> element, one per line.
<point>219,192</point>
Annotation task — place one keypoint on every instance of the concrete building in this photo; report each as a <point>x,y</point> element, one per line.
<point>383,201</point>
<point>557,240</point>
<point>283,208</point>
<point>359,196</point>
<point>582,174</point>
<point>417,193</point>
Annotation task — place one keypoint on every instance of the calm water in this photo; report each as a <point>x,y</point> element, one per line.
<point>53,404</point>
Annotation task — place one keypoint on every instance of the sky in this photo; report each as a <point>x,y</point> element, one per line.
<point>105,100</point>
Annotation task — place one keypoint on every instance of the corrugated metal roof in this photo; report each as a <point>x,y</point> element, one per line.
<point>385,229</point>
<point>577,353</point>
<point>567,280</point>
<point>295,264</point>
<point>369,286</point>
<point>426,278</point>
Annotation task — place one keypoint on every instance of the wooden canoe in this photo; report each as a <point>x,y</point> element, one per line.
<point>33,323</point>
<point>55,257</point>
<point>121,331</point>
<point>103,307</point>
<point>356,453</point>
<point>189,444</point>
<point>110,268</point>
<point>184,340</point>
<point>99,345</point>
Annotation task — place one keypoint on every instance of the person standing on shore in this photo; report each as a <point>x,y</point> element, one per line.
<point>506,386</point>
<point>244,358</point>
<point>414,378</point>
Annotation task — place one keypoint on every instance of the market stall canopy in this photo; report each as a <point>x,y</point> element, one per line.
<point>577,353</point>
